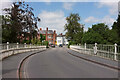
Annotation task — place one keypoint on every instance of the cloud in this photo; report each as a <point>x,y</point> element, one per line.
<point>5,4</point>
<point>91,19</point>
<point>71,0</point>
<point>68,6</point>
<point>113,6</point>
<point>48,3</point>
<point>53,20</point>
<point>119,7</point>
<point>107,20</point>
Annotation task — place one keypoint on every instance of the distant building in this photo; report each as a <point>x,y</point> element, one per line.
<point>50,35</point>
<point>65,40</point>
<point>61,40</point>
<point>24,36</point>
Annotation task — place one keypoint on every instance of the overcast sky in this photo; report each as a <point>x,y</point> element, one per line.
<point>53,14</point>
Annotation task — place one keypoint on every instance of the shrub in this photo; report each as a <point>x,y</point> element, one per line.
<point>46,43</point>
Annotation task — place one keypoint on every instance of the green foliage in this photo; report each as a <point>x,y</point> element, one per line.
<point>99,33</point>
<point>71,43</point>
<point>8,32</point>
<point>116,31</point>
<point>46,43</point>
<point>34,41</point>
<point>74,28</point>
<point>21,19</point>
<point>26,41</point>
<point>92,37</point>
<point>118,25</point>
<point>39,43</point>
<point>113,37</point>
<point>42,37</point>
<point>34,33</point>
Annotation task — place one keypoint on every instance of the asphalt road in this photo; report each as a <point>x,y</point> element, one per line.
<point>57,63</point>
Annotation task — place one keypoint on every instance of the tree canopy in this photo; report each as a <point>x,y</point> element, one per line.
<point>74,28</point>
<point>99,33</point>
<point>20,18</point>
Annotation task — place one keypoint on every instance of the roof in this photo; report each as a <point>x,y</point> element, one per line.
<point>60,35</point>
<point>44,32</point>
<point>50,32</point>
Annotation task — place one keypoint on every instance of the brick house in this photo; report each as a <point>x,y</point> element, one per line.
<point>50,35</point>
<point>24,36</point>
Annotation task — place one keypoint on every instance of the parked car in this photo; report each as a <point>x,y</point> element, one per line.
<point>60,45</point>
<point>52,45</point>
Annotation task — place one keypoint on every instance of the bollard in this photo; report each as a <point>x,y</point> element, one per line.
<point>7,45</point>
<point>115,54</point>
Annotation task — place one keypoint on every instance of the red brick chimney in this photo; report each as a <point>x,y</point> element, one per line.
<point>47,34</point>
<point>40,29</point>
<point>54,37</point>
<point>47,28</point>
<point>54,31</point>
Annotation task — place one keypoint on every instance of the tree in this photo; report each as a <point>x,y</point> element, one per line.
<point>42,37</point>
<point>92,37</point>
<point>22,19</point>
<point>118,25</point>
<point>116,30</point>
<point>113,37</point>
<point>6,29</point>
<point>74,28</point>
<point>99,33</point>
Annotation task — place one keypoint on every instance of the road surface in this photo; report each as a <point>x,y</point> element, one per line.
<point>57,63</point>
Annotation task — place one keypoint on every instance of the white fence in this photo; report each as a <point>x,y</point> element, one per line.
<point>11,49</point>
<point>8,46</point>
<point>101,50</point>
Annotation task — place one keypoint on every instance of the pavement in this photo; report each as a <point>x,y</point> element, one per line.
<point>10,65</point>
<point>94,58</point>
<point>58,63</point>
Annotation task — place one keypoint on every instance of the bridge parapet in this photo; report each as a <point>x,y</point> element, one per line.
<point>12,49</point>
<point>101,50</point>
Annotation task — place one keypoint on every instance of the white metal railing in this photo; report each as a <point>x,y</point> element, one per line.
<point>101,50</point>
<point>7,46</point>
<point>11,49</point>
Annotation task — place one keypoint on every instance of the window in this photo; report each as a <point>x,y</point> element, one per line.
<point>59,41</point>
<point>50,41</point>
<point>50,36</point>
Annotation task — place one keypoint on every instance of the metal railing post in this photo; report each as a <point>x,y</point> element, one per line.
<point>30,45</point>
<point>85,46</point>
<point>95,49</point>
<point>115,54</point>
<point>24,45</point>
<point>7,45</point>
<point>17,45</point>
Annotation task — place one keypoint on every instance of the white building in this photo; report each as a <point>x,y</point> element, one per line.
<point>65,41</point>
<point>61,40</point>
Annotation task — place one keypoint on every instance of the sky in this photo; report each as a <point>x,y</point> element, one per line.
<point>53,14</point>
